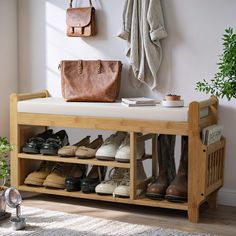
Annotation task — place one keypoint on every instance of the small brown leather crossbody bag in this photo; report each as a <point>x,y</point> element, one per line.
<point>81,22</point>
<point>90,81</point>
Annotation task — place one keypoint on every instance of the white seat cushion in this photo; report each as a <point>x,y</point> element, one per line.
<point>58,106</point>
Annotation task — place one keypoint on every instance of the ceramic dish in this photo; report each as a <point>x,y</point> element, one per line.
<point>179,103</point>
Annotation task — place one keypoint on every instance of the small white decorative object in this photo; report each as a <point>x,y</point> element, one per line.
<point>172,100</point>
<point>177,103</point>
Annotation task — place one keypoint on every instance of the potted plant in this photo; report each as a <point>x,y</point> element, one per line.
<point>224,82</point>
<point>172,97</point>
<point>5,148</point>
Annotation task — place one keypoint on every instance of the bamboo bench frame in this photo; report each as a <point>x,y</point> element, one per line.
<point>205,165</point>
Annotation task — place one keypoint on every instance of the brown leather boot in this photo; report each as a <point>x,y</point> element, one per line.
<point>178,189</point>
<point>165,148</point>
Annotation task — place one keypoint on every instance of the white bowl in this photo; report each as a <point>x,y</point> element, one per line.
<point>179,103</point>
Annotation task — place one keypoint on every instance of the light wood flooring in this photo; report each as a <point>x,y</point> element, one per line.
<point>220,221</point>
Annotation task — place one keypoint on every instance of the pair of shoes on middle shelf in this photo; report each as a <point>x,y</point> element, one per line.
<point>84,149</point>
<point>118,183</point>
<point>66,175</point>
<point>117,147</point>
<point>47,143</point>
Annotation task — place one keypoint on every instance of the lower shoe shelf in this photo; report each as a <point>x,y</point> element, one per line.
<point>140,201</point>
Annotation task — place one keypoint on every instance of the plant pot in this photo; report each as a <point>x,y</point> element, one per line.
<point>2,182</point>
<point>2,197</point>
<point>2,203</point>
<point>172,97</point>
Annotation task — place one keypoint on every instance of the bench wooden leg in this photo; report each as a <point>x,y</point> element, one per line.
<point>193,214</point>
<point>212,200</point>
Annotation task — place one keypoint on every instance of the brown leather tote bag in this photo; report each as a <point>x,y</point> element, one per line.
<point>90,81</point>
<point>81,22</point>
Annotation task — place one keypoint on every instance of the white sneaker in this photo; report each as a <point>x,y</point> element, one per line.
<point>109,148</point>
<point>123,152</point>
<point>123,190</point>
<point>108,186</point>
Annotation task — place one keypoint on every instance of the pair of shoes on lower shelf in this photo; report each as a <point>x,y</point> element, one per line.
<point>118,183</point>
<point>169,186</point>
<point>66,175</point>
<point>93,178</point>
<point>84,149</point>
<point>47,143</point>
<point>174,191</point>
<point>117,147</point>
<point>49,174</point>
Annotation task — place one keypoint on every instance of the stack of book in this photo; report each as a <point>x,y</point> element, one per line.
<point>139,101</point>
<point>211,134</point>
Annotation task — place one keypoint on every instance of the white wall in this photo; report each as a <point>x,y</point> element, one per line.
<point>190,54</point>
<point>8,60</point>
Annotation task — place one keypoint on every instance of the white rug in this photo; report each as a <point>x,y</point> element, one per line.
<point>52,223</point>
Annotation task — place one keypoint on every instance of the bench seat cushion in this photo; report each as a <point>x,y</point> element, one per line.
<point>58,106</point>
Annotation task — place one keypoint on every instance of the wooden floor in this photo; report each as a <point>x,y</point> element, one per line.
<point>221,221</point>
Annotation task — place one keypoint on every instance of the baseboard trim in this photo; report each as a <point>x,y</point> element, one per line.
<point>227,197</point>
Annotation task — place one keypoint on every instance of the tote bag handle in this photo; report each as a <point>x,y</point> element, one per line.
<point>90,2</point>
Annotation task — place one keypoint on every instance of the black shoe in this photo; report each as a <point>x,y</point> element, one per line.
<point>73,180</point>
<point>54,143</point>
<point>96,176</point>
<point>34,144</point>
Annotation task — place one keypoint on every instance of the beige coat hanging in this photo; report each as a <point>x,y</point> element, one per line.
<point>143,27</point>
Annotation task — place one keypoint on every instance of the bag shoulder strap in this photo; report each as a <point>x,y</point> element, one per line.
<point>90,2</point>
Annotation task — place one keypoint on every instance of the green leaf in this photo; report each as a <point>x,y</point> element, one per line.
<point>224,82</point>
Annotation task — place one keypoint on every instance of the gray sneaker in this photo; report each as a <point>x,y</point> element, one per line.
<point>123,189</point>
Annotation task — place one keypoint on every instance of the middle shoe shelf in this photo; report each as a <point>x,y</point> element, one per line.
<point>93,161</point>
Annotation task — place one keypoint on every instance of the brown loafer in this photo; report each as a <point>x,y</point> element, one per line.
<point>69,151</point>
<point>56,179</point>
<point>89,151</point>
<point>38,176</point>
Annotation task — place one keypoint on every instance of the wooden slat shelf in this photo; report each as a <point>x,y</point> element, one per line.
<point>74,160</point>
<point>94,196</point>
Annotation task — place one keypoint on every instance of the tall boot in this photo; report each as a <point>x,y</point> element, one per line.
<point>178,189</point>
<point>165,148</point>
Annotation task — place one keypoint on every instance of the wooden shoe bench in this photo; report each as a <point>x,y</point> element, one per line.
<point>205,165</point>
